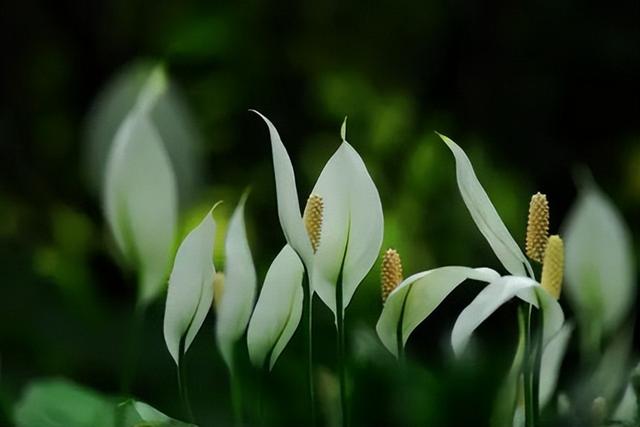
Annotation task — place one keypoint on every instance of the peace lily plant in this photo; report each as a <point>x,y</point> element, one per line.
<point>338,238</point>
<point>412,300</point>
<point>195,285</point>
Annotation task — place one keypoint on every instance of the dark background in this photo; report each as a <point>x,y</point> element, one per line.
<point>533,91</point>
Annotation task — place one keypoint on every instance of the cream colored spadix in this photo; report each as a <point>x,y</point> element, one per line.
<point>352,220</point>
<point>140,196</point>
<point>236,303</point>
<point>277,313</point>
<point>190,288</point>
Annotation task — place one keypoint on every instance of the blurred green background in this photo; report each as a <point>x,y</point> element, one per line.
<point>531,91</point>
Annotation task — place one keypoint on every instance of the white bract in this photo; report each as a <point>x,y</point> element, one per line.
<point>190,288</point>
<point>521,283</point>
<point>140,197</point>
<point>278,310</point>
<point>600,273</point>
<point>415,298</point>
<point>508,400</point>
<point>234,309</point>
<point>352,220</point>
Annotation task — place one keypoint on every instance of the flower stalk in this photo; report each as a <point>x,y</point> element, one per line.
<point>312,219</point>
<point>182,382</point>
<point>550,252</point>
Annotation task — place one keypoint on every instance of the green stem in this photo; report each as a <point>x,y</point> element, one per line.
<point>401,352</point>
<point>399,336</point>
<point>262,384</point>
<point>182,381</point>
<point>134,334</point>
<point>528,401</point>
<point>537,363</point>
<point>308,318</point>
<point>236,397</point>
<point>341,356</point>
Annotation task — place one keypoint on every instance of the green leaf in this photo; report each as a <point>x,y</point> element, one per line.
<point>600,270</point>
<point>485,216</point>
<point>190,287</point>
<point>139,414</point>
<point>61,403</point>
<point>239,293</point>
<point>140,200</point>
<point>352,226</point>
<point>278,310</point>
<point>418,296</point>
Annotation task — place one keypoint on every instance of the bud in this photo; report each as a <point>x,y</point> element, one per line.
<point>391,272</point>
<point>553,266</point>
<point>537,227</point>
<point>218,290</point>
<point>563,405</point>
<point>313,220</point>
<point>599,410</point>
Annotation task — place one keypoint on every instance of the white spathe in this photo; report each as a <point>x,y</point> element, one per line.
<point>600,269</point>
<point>278,311</point>
<point>485,216</point>
<point>140,196</point>
<point>418,296</point>
<point>190,292</point>
<point>239,292</point>
<point>494,295</point>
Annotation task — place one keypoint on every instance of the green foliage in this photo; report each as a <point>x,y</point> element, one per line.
<point>61,403</point>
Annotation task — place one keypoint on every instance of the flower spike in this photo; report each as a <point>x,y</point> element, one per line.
<point>313,220</point>
<point>218,289</point>
<point>391,272</point>
<point>553,266</point>
<point>537,227</point>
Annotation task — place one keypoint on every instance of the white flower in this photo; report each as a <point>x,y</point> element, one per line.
<point>190,288</point>
<point>238,295</point>
<point>278,310</point>
<point>415,298</point>
<point>352,220</point>
<point>601,277</point>
<point>140,196</point>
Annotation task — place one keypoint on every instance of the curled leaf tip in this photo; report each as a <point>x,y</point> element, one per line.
<point>343,129</point>
<point>154,87</point>
<point>537,227</point>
